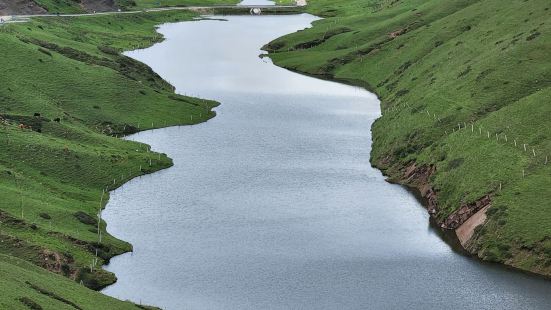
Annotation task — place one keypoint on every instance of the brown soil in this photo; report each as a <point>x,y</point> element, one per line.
<point>460,220</point>
<point>57,263</point>
<point>466,230</point>
<point>465,212</point>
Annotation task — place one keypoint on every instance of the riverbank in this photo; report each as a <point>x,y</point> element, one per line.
<point>67,95</point>
<point>456,124</point>
<point>63,132</point>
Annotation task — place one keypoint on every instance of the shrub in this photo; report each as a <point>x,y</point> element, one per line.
<point>401,92</point>
<point>85,218</point>
<point>533,35</point>
<point>454,164</point>
<point>45,216</point>
<point>45,51</point>
<point>108,50</point>
<point>31,304</point>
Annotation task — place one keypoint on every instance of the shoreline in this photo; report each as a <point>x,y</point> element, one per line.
<point>69,155</point>
<point>212,114</point>
<point>137,177</point>
<point>449,236</point>
<point>134,162</point>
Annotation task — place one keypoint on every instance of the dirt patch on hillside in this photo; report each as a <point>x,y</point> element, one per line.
<point>419,177</point>
<point>465,212</point>
<point>57,263</point>
<point>466,230</point>
<point>20,7</point>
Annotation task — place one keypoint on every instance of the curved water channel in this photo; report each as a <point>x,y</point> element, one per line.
<point>273,204</point>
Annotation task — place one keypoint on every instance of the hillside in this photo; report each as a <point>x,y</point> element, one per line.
<point>67,95</point>
<point>25,286</point>
<point>30,7</point>
<point>465,91</point>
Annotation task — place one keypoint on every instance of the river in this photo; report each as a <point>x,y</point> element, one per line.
<point>273,204</point>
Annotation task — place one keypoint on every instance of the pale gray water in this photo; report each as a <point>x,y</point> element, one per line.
<point>273,203</point>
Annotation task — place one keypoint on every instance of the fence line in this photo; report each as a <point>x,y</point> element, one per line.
<point>500,135</point>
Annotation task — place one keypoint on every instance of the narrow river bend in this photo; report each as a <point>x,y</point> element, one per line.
<point>273,203</point>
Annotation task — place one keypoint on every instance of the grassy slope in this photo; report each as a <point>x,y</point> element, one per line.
<point>21,279</point>
<point>71,69</point>
<point>72,6</point>
<point>482,64</point>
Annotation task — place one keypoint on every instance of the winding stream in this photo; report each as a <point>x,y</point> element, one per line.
<point>273,203</point>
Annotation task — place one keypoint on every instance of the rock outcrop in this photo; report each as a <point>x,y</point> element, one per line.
<point>461,215</point>
<point>419,177</point>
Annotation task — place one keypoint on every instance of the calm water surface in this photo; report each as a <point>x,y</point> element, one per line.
<point>273,203</point>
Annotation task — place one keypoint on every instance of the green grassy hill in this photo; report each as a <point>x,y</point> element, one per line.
<point>25,286</point>
<point>465,87</point>
<point>66,95</point>
<point>82,6</point>
<point>449,73</point>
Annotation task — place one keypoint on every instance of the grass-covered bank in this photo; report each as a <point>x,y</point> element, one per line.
<point>66,95</point>
<point>465,89</point>
<point>25,286</point>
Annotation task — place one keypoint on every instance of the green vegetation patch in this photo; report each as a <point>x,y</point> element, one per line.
<point>465,87</point>
<point>67,95</point>
<point>25,286</point>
